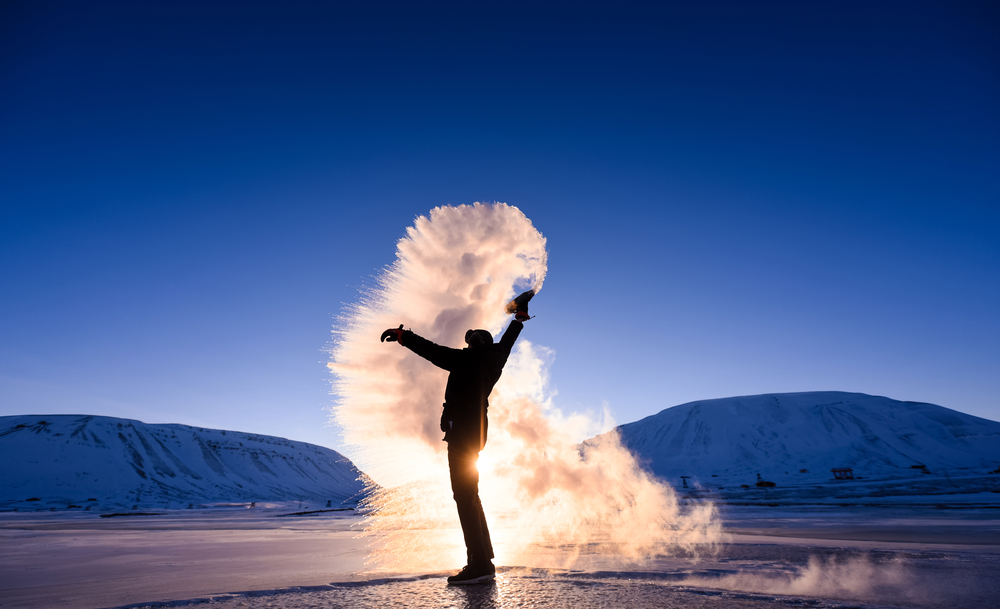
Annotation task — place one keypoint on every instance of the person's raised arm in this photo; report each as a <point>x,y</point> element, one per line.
<point>519,308</point>
<point>510,335</point>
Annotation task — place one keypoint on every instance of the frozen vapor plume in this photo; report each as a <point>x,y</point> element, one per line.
<point>454,271</point>
<point>853,578</point>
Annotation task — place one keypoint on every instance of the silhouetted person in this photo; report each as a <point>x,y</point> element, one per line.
<point>473,371</point>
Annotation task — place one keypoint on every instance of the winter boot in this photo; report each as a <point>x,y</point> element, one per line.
<point>477,573</point>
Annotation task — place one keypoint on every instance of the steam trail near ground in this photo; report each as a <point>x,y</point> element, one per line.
<point>855,578</point>
<point>455,270</point>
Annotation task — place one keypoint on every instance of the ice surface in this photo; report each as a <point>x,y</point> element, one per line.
<point>81,560</point>
<point>775,557</point>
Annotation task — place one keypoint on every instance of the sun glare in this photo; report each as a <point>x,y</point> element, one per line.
<point>485,463</point>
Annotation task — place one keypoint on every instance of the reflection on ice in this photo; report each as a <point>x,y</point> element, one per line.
<point>879,580</point>
<point>776,557</point>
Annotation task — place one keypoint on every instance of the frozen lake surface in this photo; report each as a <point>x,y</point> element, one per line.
<point>813,556</point>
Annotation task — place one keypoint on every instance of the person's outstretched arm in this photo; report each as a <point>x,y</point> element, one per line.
<point>442,357</point>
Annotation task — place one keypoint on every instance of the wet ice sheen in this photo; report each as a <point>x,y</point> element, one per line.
<point>191,559</point>
<point>757,576</point>
<point>513,589</point>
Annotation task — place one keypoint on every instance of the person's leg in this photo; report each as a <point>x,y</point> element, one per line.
<point>487,543</point>
<point>465,487</point>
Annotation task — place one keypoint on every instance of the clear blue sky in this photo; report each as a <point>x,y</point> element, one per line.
<point>738,197</point>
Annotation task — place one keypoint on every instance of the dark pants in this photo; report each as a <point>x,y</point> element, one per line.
<point>465,486</point>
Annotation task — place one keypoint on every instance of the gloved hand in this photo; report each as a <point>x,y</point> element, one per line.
<point>519,306</point>
<point>393,334</point>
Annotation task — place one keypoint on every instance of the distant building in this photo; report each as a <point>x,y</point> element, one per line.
<point>764,483</point>
<point>843,473</point>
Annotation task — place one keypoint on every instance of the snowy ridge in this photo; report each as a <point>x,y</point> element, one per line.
<point>779,434</point>
<point>72,459</point>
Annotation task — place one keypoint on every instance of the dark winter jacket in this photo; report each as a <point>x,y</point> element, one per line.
<point>474,372</point>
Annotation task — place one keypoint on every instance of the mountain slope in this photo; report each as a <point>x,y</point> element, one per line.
<point>68,459</point>
<point>773,434</point>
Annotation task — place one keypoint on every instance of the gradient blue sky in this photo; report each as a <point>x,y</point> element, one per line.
<point>739,197</point>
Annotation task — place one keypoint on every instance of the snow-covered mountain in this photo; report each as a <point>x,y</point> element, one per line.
<point>780,434</point>
<point>82,460</point>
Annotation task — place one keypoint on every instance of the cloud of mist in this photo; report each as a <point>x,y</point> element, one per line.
<point>855,578</point>
<point>455,270</point>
